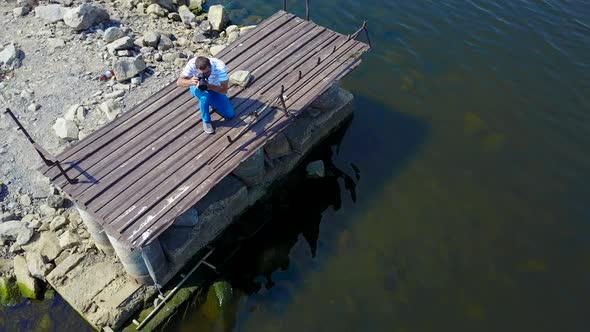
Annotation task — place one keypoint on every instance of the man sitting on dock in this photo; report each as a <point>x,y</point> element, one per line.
<point>207,80</point>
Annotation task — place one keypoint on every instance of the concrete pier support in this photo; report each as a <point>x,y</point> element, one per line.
<point>134,264</point>
<point>97,232</point>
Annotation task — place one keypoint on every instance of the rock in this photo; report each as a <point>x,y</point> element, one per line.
<point>9,55</point>
<point>54,43</point>
<point>170,57</point>
<point>187,219</point>
<point>240,77</point>
<point>15,248</point>
<point>26,95</point>
<point>251,171</point>
<point>35,224</point>
<point>47,245</point>
<point>55,201</point>
<point>231,29</point>
<point>9,292</point>
<point>21,11</point>
<point>123,43</point>
<point>196,5</point>
<point>174,17</point>
<point>205,26</point>
<point>186,16</point>
<point>165,43</point>
<point>33,107</point>
<point>127,68</point>
<point>24,236</point>
<point>47,211</point>
<point>6,216</point>
<point>136,81</point>
<point>218,17</point>
<point>27,219</point>
<point>36,265</point>
<point>113,33</point>
<point>223,292</point>
<point>278,146</point>
<point>115,94</point>
<point>85,16</point>
<point>167,4</point>
<point>28,286</point>
<point>124,53</point>
<point>123,87</point>
<point>72,112</point>
<point>51,13</point>
<point>199,37</point>
<point>25,200</point>
<point>110,108</point>
<point>214,50</point>
<point>9,230</point>
<point>69,239</point>
<point>246,29</point>
<point>155,10</point>
<point>66,129</point>
<point>232,37</point>
<point>58,222</point>
<point>315,169</point>
<point>151,38</point>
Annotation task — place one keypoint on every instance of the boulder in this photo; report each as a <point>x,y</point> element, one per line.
<point>47,211</point>
<point>28,286</point>
<point>232,37</point>
<point>34,107</point>
<point>85,16</point>
<point>165,43</point>
<point>127,68</point>
<point>9,55</point>
<point>52,13</point>
<point>231,29</point>
<point>166,4</point>
<point>170,57</point>
<point>9,293</point>
<point>65,129</point>
<point>240,77</point>
<point>278,146</point>
<point>199,37</point>
<point>25,200</point>
<point>251,171</point>
<point>36,265</point>
<point>217,15</point>
<point>24,235</point>
<point>156,10</point>
<point>186,16</point>
<point>123,43</point>
<point>113,33</point>
<point>21,11</point>
<point>69,239</point>
<point>196,5</point>
<point>205,26</point>
<point>174,17</point>
<point>6,216</point>
<point>9,230</point>
<point>47,245</point>
<point>246,29</point>
<point>72,113</point>
<point>110,108</point>
<point>214,50</point>
<point>58,222</point>
<point>315,169</point>
<point>151,38</point>
<point>55,201</point>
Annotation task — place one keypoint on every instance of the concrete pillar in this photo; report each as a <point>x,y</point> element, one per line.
<point>97,232</point>
<point>251,171</point>
<point>134,263</point>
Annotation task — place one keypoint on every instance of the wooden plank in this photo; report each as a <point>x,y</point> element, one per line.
<point>82,144</point>
<point>253,139</point>
<point>100,149</point>
<point>278,65</point>
<point>139,145</point>
<point>165,201</point>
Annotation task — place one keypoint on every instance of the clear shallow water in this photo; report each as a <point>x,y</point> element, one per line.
<point>471,212</point>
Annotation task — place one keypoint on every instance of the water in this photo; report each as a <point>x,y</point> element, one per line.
<point>470,211</point>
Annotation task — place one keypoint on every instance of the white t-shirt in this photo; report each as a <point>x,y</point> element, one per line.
<point>218,70</point>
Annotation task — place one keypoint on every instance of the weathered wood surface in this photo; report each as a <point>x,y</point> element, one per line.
<point>148,166</point>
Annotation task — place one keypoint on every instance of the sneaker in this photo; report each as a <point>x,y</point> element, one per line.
<point>208,128</point>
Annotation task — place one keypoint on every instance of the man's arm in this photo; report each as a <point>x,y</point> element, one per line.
<point>219,88</point>
<point>184,81</point>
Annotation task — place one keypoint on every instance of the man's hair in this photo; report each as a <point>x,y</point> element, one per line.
<point>202,63</point>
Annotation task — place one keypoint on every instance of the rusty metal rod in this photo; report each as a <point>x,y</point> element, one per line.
<point>284,5</point>
<point>307,10</point>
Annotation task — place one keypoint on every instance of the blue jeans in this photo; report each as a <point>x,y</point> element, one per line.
<point>219,101</point>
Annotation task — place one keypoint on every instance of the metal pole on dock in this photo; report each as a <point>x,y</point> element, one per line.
<point>307,10</point>
<point>284,5</point>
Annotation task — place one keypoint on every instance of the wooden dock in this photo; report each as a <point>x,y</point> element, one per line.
<point>138,173</point>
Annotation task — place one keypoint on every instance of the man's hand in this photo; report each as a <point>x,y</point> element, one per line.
<point>194,81</point>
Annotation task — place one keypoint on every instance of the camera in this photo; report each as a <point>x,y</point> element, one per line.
<point>202,82</point>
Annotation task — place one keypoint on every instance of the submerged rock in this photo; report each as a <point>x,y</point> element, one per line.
<point>316,169</point>
<point>9,293</point>
<point>223,292</point>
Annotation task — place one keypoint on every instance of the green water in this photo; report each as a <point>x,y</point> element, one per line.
<point>470,211</point>
<point>470,133</point>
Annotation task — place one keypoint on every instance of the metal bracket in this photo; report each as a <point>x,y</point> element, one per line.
<point>364,27</point>
<point>49,159</point>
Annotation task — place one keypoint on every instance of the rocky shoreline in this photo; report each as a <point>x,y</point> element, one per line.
<point>51,59</point>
